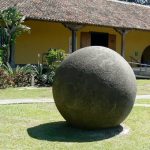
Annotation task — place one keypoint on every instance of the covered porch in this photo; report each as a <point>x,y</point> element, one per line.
<point>70,37</point>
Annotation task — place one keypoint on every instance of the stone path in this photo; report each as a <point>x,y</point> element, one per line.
<point>25,101</point>
<point>44,100</point>
<point>143,97</point>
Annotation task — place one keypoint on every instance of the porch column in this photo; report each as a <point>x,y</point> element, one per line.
<point>74,40</point>
<point>73,28</point>
<point>123,33</point>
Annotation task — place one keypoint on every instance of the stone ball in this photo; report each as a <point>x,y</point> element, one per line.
<point>94,88</point>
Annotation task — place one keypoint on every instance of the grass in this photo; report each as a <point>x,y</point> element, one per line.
<point>40,126</point>
<point>18,93</point>
<point>142,101</point>
<point>143,87</point>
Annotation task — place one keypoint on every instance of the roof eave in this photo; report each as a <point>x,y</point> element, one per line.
<point>84,23</point>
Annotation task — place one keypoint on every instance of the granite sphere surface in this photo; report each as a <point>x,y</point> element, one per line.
<point>94,88</point>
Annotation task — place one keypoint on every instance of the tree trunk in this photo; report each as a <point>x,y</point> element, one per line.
<point>12,55</point>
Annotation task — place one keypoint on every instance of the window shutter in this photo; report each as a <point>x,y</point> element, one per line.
<point>85,39</point>
<point>112,41</point>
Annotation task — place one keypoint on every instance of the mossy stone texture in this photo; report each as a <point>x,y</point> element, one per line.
<point>94,88</point>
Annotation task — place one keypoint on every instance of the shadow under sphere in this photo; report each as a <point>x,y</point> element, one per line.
<point>61,132</point>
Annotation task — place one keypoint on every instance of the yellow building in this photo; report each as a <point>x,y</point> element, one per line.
<point>70,25</point>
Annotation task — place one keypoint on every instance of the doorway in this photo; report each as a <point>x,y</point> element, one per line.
<point>99,39</point>
<point>146,56</point>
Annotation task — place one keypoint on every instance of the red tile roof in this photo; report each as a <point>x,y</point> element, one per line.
<point>110,13</point>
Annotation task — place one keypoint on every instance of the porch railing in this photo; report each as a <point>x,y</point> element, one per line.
<point>140,70</point>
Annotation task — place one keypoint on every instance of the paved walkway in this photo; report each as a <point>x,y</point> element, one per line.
<point>25,101</point>
<point>44,100</point>
<point>143,97</point>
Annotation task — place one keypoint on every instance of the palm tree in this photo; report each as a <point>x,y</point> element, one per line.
<point>10,28</point>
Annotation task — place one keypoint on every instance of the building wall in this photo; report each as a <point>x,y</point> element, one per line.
<point>45,35</point>
<point>136,42</point>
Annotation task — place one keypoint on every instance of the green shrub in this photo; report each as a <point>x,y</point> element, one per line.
<point>55,56</point>
<point>50,77</point>
<point>39,77</point>
<point>54,59</point>
<point>1,56</point>
<point>20,76</point>
<point>44,75</point>
<point>5,79</point>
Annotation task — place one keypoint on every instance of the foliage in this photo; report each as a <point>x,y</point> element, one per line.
<point>20,76</point>
<point>39,77</point>
<point>53,59</point>
<point>55,56</point>
<point>5,79</point>
<point>11,21</point>
<point>3,56</point>
<point>44,75</point>
<point>50,77</point>
<point>11,27</point>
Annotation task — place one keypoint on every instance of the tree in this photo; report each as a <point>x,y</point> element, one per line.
<point>11,26</point>
<point>144,2</point>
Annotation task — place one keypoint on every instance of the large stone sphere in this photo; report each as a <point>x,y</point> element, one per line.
<point>94,88</point>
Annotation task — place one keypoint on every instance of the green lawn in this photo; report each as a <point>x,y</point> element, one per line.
<point>143,87</point>
<point>142,101</point>
<point>16,93</point>
<point>41,127</point>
